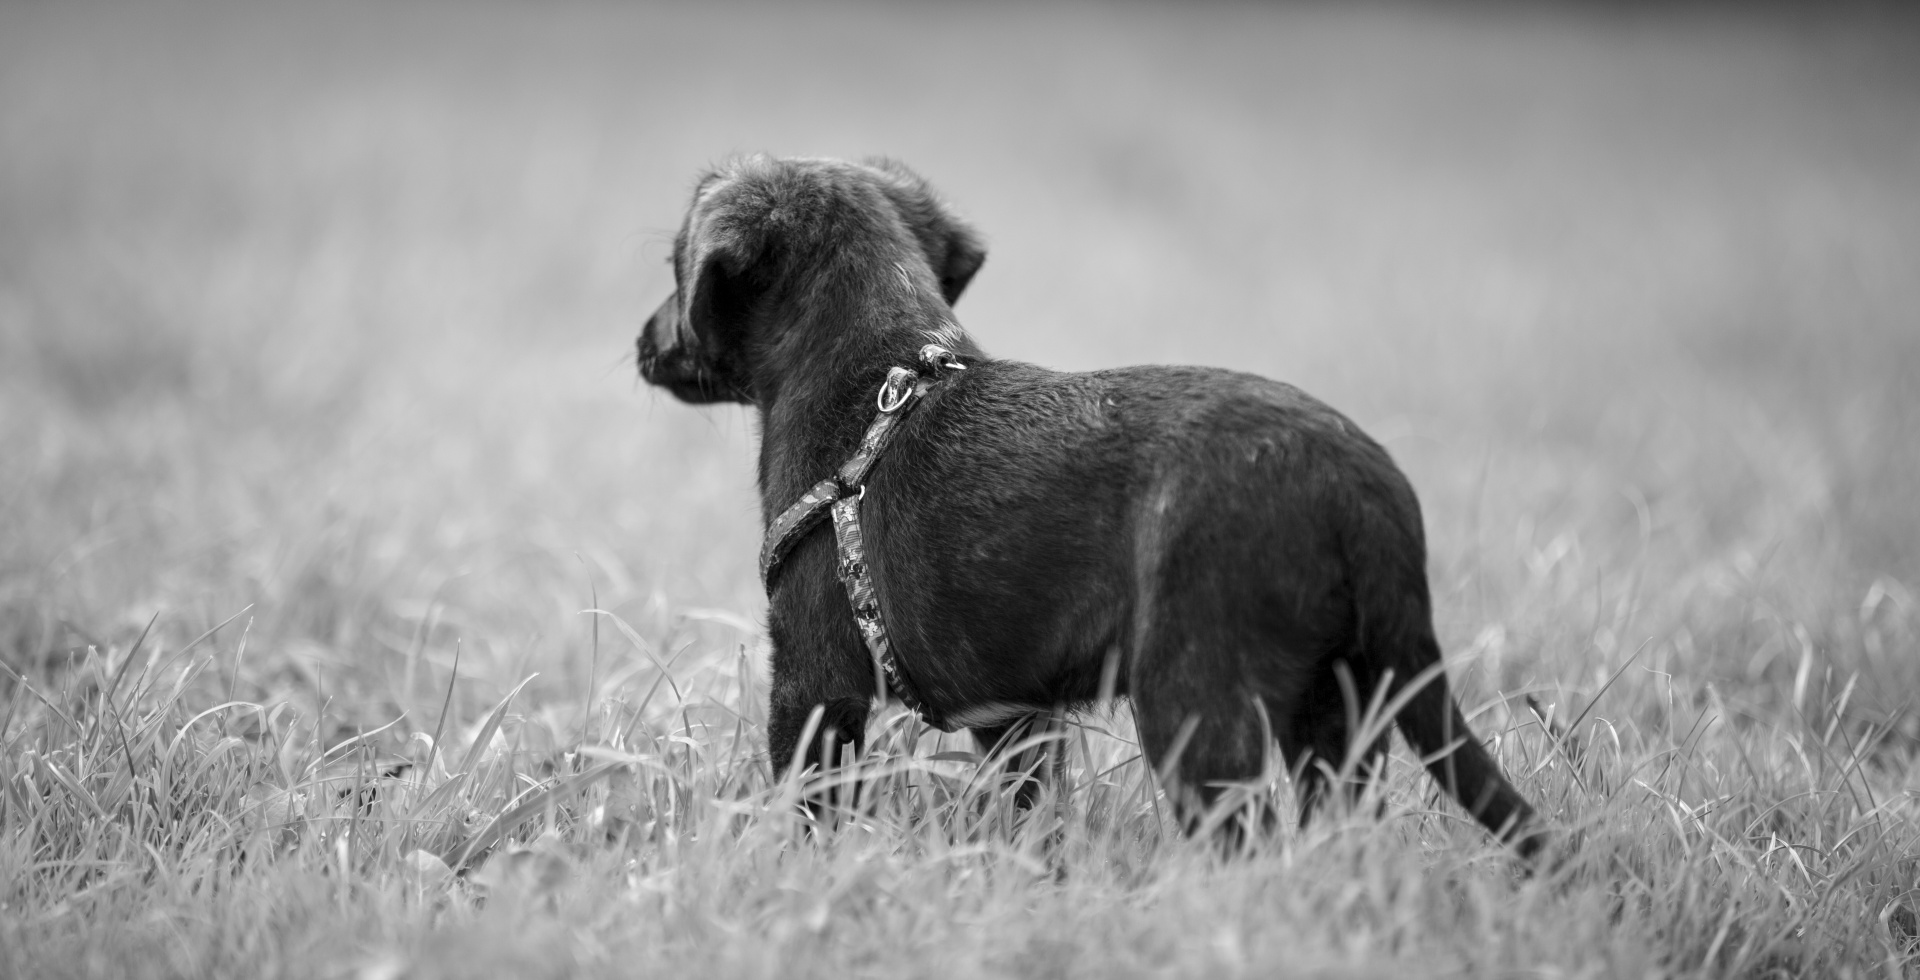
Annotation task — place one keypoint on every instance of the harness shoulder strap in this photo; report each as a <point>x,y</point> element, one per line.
<point>840,495</point>
<point>794,523</point>
<point>902,390</point>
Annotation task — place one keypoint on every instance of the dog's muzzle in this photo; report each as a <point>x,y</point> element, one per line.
<point>666,359</point>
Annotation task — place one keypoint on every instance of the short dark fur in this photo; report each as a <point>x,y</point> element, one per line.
<point>1235,543</point>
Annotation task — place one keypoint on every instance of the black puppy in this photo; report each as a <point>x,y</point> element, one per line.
<point>1248,560</point>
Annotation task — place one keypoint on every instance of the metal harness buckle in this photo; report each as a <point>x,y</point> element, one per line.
<point>936,358</point>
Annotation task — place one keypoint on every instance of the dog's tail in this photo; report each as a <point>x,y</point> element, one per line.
<point>1396,635</point>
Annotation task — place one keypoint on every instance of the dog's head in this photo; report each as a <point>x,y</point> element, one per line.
<point>751,249</point>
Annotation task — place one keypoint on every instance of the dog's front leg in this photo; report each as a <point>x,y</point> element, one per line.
<point>815,670</point>
<point>1031,761</point>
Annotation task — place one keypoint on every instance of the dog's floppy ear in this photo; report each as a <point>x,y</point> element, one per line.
<point>719,250</point>
<point>965,254</point>
<point>952,247</point>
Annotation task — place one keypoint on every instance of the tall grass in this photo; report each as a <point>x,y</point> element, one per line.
<point>361,616</point>
<point>153,832</point>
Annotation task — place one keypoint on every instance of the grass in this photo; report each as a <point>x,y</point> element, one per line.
<point>361,616</point>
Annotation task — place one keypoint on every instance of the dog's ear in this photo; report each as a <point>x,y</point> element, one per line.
<point>965,255</point>
<point>719,254</point>
<point>953,249</point>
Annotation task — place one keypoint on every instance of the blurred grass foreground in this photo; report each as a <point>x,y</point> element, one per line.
<point>360,615</point>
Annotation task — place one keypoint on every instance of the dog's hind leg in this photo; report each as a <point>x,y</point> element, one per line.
<point>1202,732</point>
<point>1318,737</point>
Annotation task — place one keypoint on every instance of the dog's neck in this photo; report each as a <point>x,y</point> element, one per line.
<point>816,389</point>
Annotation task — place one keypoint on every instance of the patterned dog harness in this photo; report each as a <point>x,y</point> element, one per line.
<point>841,494</point>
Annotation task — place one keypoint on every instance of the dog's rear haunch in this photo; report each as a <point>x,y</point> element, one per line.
<point>1250,563</point>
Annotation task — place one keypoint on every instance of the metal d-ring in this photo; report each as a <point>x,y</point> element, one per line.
<point>896,391</point>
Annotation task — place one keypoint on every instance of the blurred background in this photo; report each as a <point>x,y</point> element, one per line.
<point>327,311</point>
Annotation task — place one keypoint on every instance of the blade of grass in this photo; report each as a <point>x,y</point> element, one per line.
<point>457,858</point>
<point>433,748</point>
<point>492,725</point>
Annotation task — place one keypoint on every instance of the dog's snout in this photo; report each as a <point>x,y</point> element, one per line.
<point>644,352</point>
<point>670,357</point>
<point>657,340</point>
<point>647,343</point>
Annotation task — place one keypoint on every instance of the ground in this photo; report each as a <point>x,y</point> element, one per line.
<point>341,550</point>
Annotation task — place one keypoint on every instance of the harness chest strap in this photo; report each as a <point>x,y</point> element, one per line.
<point>840,495</point>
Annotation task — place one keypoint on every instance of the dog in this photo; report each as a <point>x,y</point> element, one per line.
<point>1237,558</point>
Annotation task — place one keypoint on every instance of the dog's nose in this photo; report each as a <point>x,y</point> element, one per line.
<point>657,340</point>
<point>646,352</point>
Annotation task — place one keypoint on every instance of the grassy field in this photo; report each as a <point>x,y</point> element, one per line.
<point>340,550</point>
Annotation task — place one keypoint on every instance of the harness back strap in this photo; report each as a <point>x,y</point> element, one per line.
<point>840,495</point>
